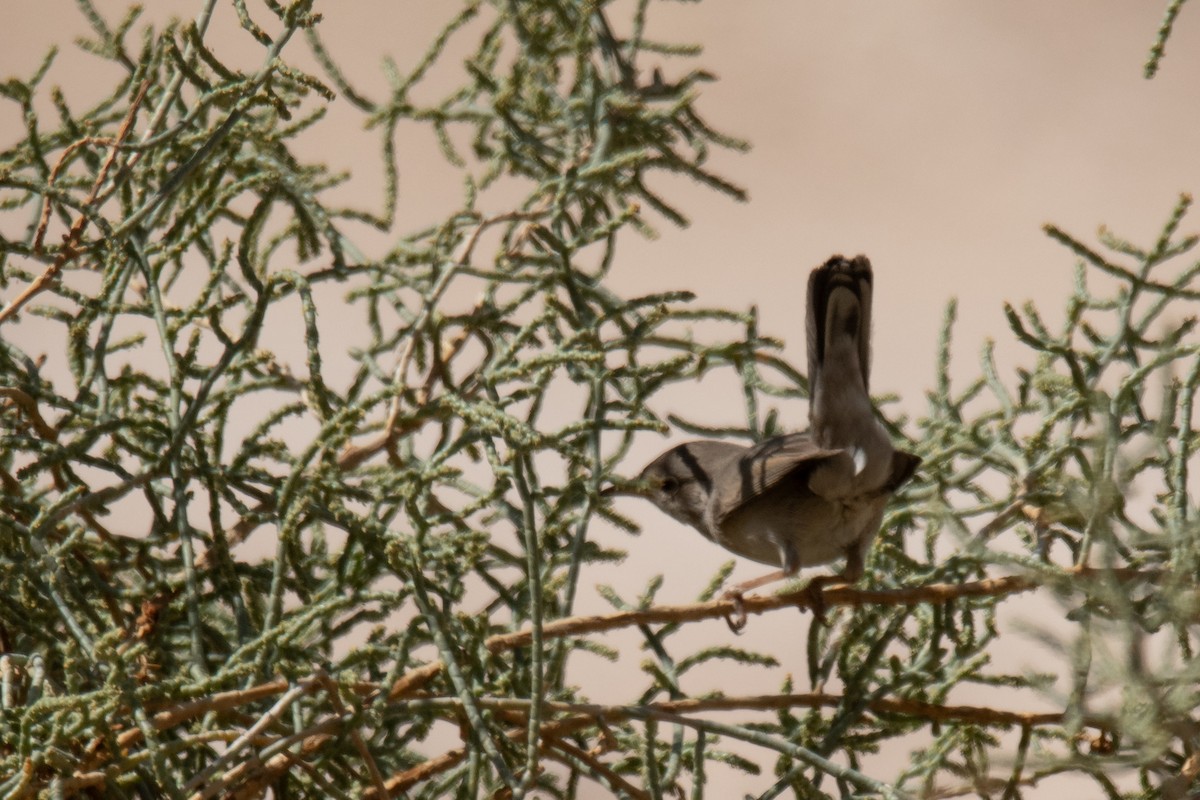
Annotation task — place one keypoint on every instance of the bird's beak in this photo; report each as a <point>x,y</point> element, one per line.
<point>624,489</point>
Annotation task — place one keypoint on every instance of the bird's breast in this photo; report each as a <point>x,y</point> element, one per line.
<point>817,529</point>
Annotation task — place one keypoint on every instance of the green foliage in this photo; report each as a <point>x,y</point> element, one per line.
<point>170,397</point>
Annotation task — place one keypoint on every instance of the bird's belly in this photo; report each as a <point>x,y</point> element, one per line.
<point>819,531</point>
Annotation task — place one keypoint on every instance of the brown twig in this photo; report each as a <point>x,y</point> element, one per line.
<point>719,609</point>
<point>586,715</point>
<point>354,455</point>
<point>408,685</point>
<point>28,406</point>
<point>197,783</point>
<point>594,764</point>
<point>70,248</point>
<point>335,699</point>
<point>1006,515</point>
<point>44,221</point>
<point>176,715</point>
<point>256,776</point>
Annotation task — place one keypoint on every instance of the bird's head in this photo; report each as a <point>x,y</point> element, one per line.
<point>679,482</point>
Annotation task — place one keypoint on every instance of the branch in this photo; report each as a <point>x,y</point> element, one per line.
<point>586,715</point>
<point>844,595</point>
<point>408,685</point>
<point>70,248</point>
<point>556,748</point>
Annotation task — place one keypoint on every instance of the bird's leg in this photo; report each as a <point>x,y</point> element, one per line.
<point>815,591</point>
<point>791,565</point>
<point>736,594</point>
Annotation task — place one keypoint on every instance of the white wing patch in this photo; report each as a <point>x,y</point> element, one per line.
<point>860,460</point>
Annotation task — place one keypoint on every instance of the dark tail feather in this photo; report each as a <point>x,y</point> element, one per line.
<point>838,272</point>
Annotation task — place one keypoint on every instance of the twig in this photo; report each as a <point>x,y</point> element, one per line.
<point>331,690</point>
<point>70,248</point>
<point>266,720</point>
<point>1002,519</point>
<point>408,685</point>
<point>354,455</point>
<point>28,405</point>
<point>274,768</point>
<point>586,715</point>
<point>717,609</point>
<point>594,764</point>
<point>176,715</point>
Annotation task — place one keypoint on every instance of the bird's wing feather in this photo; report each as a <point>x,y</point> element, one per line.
<point>765,465</point>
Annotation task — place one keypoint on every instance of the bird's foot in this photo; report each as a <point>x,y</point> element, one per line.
<point>815,594</point>
<point>736,595</point>
<point>736,620</point>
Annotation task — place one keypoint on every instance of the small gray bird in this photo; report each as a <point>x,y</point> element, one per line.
<point>801,499</point>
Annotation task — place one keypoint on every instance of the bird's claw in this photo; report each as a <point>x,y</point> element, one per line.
<point>815,594</point>
<point>737,619</point>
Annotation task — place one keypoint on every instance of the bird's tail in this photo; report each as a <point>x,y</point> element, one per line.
<point>839,325</point>
<point>839,357</point>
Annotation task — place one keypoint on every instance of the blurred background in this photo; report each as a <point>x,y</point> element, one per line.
<point>935,136</point>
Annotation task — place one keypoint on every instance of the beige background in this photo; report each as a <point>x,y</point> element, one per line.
<point>936,136</point>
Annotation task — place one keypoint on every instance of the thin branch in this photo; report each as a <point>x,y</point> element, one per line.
<point>28,405</point>
<point>586,715</point>
<point>594,764</point>
<point>331,690</point>
<point>266,720</point>
<point>843,595</point>
<point>70,248</point>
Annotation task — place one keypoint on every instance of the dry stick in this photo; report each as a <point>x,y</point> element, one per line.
<point>586,715</point>
<point>1002,519</point>
<point>594,764</point>
<point>70,248</point>
<point>44,220</point>
<point>261,724</point>
<point>271,771</point>
<point>354,455</point>
<point>717,609</point>
<point>99,778</point>
<point>253,768</point>
<point>176,715</point>
<point>331,689</point>
<point>27,404</point>
<point>838,595</point>
<point>414,680</point>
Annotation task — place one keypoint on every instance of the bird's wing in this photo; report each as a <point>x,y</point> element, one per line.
<point>765,465</point>
<point>904,465</point>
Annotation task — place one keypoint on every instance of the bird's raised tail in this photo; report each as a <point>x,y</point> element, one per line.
<point>839,348</point>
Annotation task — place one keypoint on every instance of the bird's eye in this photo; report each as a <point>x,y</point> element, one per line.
<point>669,485</point>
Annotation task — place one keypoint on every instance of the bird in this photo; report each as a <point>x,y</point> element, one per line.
<point>798,499</point>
